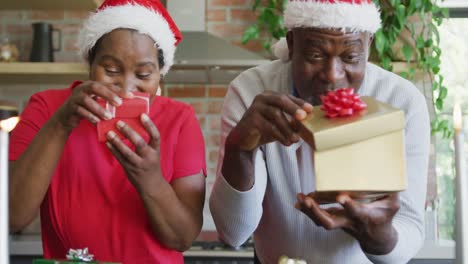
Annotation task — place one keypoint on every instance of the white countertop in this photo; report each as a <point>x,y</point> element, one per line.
<point>31,245</point>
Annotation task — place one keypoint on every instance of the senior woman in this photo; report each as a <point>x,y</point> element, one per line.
<point>137,199</point>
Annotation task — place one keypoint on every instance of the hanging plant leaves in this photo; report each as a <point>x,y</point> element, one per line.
<point>407,52</point>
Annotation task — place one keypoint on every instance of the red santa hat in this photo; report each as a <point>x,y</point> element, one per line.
<point>350,15</point>
<point>145,16</point>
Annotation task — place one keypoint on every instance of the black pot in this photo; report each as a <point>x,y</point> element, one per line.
<point>43,47</point>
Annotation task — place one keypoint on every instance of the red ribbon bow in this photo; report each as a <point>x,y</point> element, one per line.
<point>341,103</point>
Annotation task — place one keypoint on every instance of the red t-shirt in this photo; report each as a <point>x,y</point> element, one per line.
<point>90,202</point>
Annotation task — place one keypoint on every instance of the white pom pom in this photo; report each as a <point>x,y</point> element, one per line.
<point>280,50</point>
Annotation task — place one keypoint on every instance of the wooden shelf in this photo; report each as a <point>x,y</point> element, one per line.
<point>32,68</point>
<point>26,73</point>
<point>50,4</point>
<point>41,72</point>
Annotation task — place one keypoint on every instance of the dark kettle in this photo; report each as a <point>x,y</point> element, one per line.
<point>43,47</point>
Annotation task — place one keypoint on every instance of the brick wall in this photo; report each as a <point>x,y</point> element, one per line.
<point>207,101</point>
<point>224,18</point>
<point>17,26</point>
<point>229,18</point>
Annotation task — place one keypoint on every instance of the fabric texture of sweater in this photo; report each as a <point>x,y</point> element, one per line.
<point>267,209</point>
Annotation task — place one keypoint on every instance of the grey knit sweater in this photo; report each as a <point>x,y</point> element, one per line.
<point>267,210</point>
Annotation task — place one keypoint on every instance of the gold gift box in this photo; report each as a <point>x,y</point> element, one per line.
<point>363,155</point>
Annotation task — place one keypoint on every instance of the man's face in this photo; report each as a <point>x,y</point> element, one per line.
<point>324,60</point>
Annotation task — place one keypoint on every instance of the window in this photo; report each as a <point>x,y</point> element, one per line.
<point>454,45</point>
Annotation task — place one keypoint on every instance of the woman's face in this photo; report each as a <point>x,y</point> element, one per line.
<point>128,60</point>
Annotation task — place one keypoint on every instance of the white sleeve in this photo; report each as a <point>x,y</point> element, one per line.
<point>236,214</point>
<point>409,221</point>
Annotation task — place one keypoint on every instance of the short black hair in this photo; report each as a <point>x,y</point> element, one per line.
<point>93,51</point>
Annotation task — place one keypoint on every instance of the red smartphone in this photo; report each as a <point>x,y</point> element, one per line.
<point>129,111</point>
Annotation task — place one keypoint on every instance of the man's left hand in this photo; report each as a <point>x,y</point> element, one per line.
<point>370,223</point>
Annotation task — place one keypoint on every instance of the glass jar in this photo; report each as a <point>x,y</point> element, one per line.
<point>8,51</point>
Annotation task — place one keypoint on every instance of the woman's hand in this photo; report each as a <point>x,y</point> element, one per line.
<point>175,209</point>
<point>82,104</point>
<point>370,223</point>
<point>142,166</point>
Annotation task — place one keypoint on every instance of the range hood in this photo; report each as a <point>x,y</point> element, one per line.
<point>204,58</point>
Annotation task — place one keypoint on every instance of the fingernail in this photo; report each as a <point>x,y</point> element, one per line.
<point>111,134</point>
<point>144,117</point>
<point>308,107</point>
<point>107,115</point>
<point>108,145</point>
<point>341,199</point>
<point>129,94</point>
<point>300,114</point>
<point>120,124</point>
<point>95,120</point>
<point>118,100</point>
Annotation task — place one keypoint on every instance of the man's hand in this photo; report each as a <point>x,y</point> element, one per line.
<point>369,223</point>
<point>266,121</point>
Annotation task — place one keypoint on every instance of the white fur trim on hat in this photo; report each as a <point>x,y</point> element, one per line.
<point>353,17</point>
<point>302,14</point>
<point>131,16</point>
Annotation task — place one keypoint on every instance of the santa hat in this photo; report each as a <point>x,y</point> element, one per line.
<point>145,16</point>
<point>352,15</point>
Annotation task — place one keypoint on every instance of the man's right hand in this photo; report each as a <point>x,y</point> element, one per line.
<point>82,104</point>
<point>266,120</point>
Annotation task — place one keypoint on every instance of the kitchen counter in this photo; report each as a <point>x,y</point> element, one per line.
<point>207,246</point>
